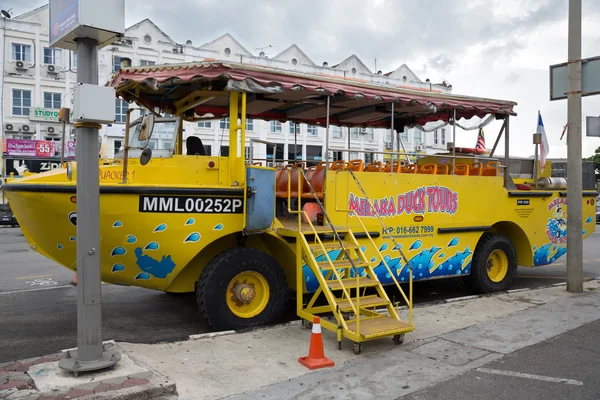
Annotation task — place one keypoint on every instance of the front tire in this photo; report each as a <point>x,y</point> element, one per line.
<point>494,265</point>
<point>241,288</point>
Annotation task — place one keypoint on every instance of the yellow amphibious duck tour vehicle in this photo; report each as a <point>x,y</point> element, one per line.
<point>241,232</point>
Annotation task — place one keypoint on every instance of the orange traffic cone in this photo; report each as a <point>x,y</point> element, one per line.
<point>316,355</point>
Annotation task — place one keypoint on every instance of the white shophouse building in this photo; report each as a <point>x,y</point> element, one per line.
<point>38,80</point>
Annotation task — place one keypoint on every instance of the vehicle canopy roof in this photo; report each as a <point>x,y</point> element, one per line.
<point>199,91</point>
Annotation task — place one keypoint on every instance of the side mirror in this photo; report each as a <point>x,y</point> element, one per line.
<point>146,128</point>
<point>146,156</point>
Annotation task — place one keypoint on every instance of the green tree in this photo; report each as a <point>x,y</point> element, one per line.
<point>596,159</point>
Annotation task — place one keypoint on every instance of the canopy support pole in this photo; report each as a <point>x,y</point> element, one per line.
<point>453,140</point>
<point>327,136</point>
<point>392,138</point>
<point>498,138</point>
<point>506,152</point>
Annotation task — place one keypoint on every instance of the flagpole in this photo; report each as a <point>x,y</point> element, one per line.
<point>537,139</point>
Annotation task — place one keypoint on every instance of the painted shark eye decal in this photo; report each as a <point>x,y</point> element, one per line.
<point>73,218</point>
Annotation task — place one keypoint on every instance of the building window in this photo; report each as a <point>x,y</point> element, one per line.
<point>205,124</point>
<point>208,149</point>
<point>353,155</point>
<point>275,127</point>
<point>368,158</point>
<point>294,155</point>
<point>336,131</point>
<point>116,63</point>
<point>22,137</point>
<point>145,63</point>
<point>369,133</point>
<point>74,60</point>
<point>293,126</point>
<point>312,130</point>
<point>224,151</point>
<point>52,138</point>
<point>404,136</point>
<point>249,124</point>
<point>443,136</point>
<point>52,56</point>
<point>354,133</point>
<point>418,137</point>
<point>435,137</point>
<point>224,123</point>
<point>121,107</point>
<point>21,52</point>
<point>21,101</point>
<point>52,100</point>
<point>117,144</point>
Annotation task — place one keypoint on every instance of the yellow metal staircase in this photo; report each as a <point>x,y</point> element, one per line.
<point>347,281</point>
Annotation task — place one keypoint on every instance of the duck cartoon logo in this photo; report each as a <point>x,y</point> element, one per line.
<point>557,225</point>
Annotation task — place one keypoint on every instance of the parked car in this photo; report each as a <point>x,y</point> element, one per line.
<point>6,216</point>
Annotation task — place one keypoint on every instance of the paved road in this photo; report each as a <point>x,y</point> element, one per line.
<point>565,367</point>
<point>38,306</point>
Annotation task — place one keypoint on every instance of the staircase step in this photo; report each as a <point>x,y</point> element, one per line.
<point>383,325</point>
<point>367,301</point>
<point>351,283</point>
<point>341,264</point>
<point>332,246</point>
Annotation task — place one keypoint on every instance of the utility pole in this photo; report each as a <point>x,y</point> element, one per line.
<point>83,26</point>
<point>574,161</point>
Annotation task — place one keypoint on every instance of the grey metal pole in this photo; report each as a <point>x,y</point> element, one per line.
<point>506,150</point>
<point>453,140</point>
<point>90,352</point>
<point>327,135</point>
<point>62,146</point>
<point>295,143</point>
<point>574,167</point>
<point>392,138</point>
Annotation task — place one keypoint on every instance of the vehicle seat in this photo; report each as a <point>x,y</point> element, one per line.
<point>396,167</point>
<point>428,169</point>
<point>258,163</point>
<point>338,165</point>
<point>281,182</point>
<point>410,169</point>
<point>375,166</point>
<point>461,169</point>
<point>475,169</point>
<point>490,169</point>
<point>356,165</point>
<point>443,169</point>
<point>194,146</point>
<point>317,181</point>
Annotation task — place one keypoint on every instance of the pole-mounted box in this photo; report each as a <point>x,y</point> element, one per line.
<point>102,21</point>
<point>92,103</point>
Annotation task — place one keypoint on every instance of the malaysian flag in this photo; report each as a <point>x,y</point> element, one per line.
<point>480,140</point>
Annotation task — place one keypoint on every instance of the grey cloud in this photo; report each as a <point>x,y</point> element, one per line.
<point>441,62</point>
<point>512,77</point>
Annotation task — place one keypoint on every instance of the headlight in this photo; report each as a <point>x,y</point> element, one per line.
<point>70,171</point>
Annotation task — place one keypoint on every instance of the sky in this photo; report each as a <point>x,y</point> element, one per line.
<point>488,48</point>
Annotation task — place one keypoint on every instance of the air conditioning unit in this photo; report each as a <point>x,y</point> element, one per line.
<point>419,147</point>
<point>50,129</point>
<point>25,128</point>
<point>21,65</point>
<point>51,69</point>
<point>128,42</point>
<point>363,131</point>
<point>9,128</point>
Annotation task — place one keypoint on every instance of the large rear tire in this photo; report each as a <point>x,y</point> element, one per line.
<point>241,288</point>
<point>494,265</point>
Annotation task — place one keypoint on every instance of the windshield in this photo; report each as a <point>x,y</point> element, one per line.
<point>162,140</point>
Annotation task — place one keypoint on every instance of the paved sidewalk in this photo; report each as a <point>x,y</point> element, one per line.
<point>265,362</point>
<point>450,339</point>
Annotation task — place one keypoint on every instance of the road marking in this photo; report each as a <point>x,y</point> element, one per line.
<point>530,376</point>
<point>35,290</point>
<point>35,276</point>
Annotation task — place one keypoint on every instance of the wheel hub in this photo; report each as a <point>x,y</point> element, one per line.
<point>243,293</point>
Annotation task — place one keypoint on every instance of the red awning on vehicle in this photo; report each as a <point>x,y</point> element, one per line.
<point>284,95</point>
